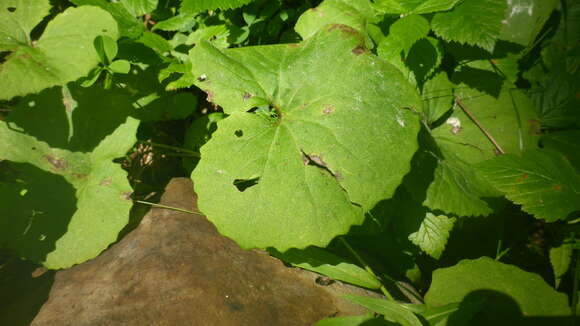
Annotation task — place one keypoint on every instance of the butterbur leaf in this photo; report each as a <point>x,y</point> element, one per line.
<point>309,146</point>
<point>17,19</point>
<point>196,6</point>
<point>324,262</point>
<point>55,59</point>
<point>475,22</point>
<point>433,234</point>
<point>129,26</point>
<point>120,66</point>
<point>91,200</point>
<point>356,14</point>
<point>542,181</point>
<point>508,292</point>
<point>391,310</point>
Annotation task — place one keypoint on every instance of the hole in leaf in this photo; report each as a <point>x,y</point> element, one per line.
<point>239,133</point>
<point>11,9</point>
<point>243,184</point>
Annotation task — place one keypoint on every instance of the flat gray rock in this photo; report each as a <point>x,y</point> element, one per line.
<point>175,269</point>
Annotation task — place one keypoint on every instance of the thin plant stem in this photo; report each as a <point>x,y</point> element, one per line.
<point>168,207</point>
<point>177,149</point>
<point>366,267</point>
<point>478,124</point>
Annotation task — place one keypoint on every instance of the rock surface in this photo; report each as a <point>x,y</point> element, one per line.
<point>175,269</point>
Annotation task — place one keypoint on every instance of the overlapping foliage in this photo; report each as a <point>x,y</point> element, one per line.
<point>392,125</point>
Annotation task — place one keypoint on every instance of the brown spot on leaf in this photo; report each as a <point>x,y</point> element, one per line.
<point>535,127</point>
<point>57,164</point>
<point>294,45</point>
<point>126,195</point>
<point>106,182</point>
<point>557,187</point>
<point>338,176</point>
<point>359,50</point>
<point>328,110</point>
<point>247,96</point>
<point>522,178</point>
<point>80,175</point>
<point>210,96</point>
<point>346,30</point>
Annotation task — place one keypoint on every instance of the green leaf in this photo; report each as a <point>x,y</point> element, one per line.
<point>106,48</point>
<point>409,30</point>
<point>129,26</point>
<point>510,292</point>
<point>17,19</point>
<point>475,22</point>
<point>510,119</point>
<point>565,142</point>
<point>366,320</point>
<point>423,59</point>
<point>560,259</point>
<point>309,148</point>
<point>441,180</point>
<point>55,59</point>
<point>543,182</point>
<point>155,42</point>
<point>414,6</point>
<point>356,14</point>
<point>525,19</point>
<point>139,7</point>
<point>180,22</point>
<point>324,262</point>
<point>196,6</point>
<point>217,34</point>
<point>92,78</point>
<point>78,199</point>
<point>120,66</point>
<point>391,310</point>
<point>438,96</point>
<point>433,234</point>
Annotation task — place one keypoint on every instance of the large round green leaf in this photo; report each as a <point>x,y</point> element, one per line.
<point>338,138</point>
<point>63,53</point>
<point>68,200</point>
<point>511,295</point>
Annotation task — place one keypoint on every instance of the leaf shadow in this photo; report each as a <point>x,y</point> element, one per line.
<point>41,207</point>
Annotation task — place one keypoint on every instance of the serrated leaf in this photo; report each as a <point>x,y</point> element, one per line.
<point>543,182</point>
<point>92,194</point>
<point>17,19</point>
<point>356,14</point>
<point>510,292</point>
<point>423,59</point>
<point>409,30</point>
<point>438,97</point>
<point>129,26</point>
<point>217,34</point>
<point>309,157</point>
<point>475,22</point>
<point>181,22</point>
<point>565,142</point>
<point>560,259</point>
<point>196,6</point>
<point>414,6</point>
<point>139,7</point>
<point>441,180</point>
<point>367,320</point>
<point>525,19</point>
<point>391,310</point>
<point>433,234</point>
<point>324,262</point>
<point>55,58</point>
